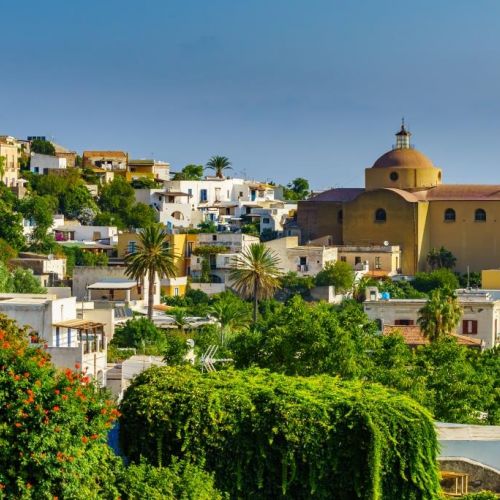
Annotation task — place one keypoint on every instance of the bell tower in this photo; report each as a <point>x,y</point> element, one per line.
<point>403,137</point>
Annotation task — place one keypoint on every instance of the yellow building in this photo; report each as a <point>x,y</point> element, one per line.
<point>182,246</point>
<point>404,203</point>
<point>9,151</point>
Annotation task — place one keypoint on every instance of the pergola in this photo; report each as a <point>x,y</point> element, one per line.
<point>112,286</point>
<point>455,484</point>
<point>90,333</point>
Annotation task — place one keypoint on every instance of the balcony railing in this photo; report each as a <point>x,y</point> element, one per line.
<point>302,268</point>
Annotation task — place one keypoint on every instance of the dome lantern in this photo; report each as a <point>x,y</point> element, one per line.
<point>403,137</point>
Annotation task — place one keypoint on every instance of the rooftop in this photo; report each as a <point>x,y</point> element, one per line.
<point>413,336</point>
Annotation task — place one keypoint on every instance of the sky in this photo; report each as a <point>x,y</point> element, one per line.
<point>284,88</point>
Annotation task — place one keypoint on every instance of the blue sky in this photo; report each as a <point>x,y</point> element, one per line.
<point>284,88</point>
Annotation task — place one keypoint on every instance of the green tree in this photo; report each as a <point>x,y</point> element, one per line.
<point>23,281</point>
<point>2,167</point>
<point>40,209</point>
<point>137,333</point>
<point>255,274</point>
<point>231,312</point>
<point>145,183</point>
<point>219,164</point>
<point>54,426</point>
<point>267,435</point>
<point>438,259</point>
<point>440,278</point>
<point>297,190</point>
<point>175,350</point>
<point>338,274</point>
<point>293,284</point>
<point>190,173</point>
<point>207,227</point>
<point>181,480</point>
<point>11,229</point>
<point>153,258</point>
<point>6,252</point>
<point>251,228</point>
<point>117,196</point>
<point>43,147</point>
<point>141,215</point>
<point>440,315</point>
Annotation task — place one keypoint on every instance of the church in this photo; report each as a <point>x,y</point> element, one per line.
<point>405,203</point>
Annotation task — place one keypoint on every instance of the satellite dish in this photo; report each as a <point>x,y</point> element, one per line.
<point>386,243</point>
<point>50,256</point>
<point>190,343</point>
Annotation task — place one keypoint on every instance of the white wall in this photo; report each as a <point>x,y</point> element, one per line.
<point>40,162</point>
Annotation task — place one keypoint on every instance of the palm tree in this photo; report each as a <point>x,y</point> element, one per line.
<point>440,315</point>
<point>231,312</point>
<point>180,319</point>
<point>255,274</point>
<point>152,258</point>
<point>219,164</point>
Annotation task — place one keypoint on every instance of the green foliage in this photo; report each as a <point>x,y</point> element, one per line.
<point>219,164</point>
<point>6,252</point>
<point>76,256</point>
<point>175,349</point>
<point>69,189</point>
<point>440,315</point>
<point>297,190</point>
<point>117,354</point>
<point>207,227</point>
<point>180,481</point>
<point>190,173</point>
<point>441,278</point>
<point>11,229</point>
<point>141,216</point>
<point>268,234</point>
<point>19,280</point>
<point>293,284</point>
<point>266,435</point>
<point>207,250</point>
<point>145,183</point>
<point>40,209</point>
<point>43,147</point>
<point>399,289</point>
<point>137,332</point>
<point>338,274</point>
<point>251,228</point>
<point>482,495</point>
<point>442,258</point>
<point>472,280</point>
<point>53,428</point>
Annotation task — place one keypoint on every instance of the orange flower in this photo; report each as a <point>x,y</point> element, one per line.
<point>26,374</point>
<point>6,345</point>
<point>64,397</point>
<point>18,424</point>
<point>85,439</point>
<point>56,408</point>
<point>57,391</point>
<point>16,377</point>
<point>94,436</point>
<point>28,485</point>
<point>77,366</point>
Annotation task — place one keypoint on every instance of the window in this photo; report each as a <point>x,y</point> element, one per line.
<point>214,237</point>
<point>203,195</point>
<point>380,215</point>
<point>176,292</point>
<point>480,215</point>
<point>343,258</point>
<point>132,247</point>
<point>265,220</point>
<point>449,215</point>
<point>404,322</point>
<point>378,265</point>
<point>469,326</point>
<point>357,260</point>
<point>190,192</point>
<point>394,176</point>
<point>340,216</point>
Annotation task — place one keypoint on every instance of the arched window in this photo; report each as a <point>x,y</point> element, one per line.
<point>480,215</point>
<point>380,215</point>
<point>340,217</point>
<point>449,215</point>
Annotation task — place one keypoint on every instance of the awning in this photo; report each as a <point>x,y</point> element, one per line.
<point>78,324</point>
<point>113,285</point>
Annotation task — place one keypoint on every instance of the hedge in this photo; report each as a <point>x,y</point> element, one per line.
<point>266,435</point>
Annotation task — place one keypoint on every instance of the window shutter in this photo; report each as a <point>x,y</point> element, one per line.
<point>474,326</point>
<point>465,325</point>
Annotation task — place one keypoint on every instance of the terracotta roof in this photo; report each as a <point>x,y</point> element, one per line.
<point>403,158</point>
<point>413,336</point>
<point>464,192</point>
<point>105,154</point>
<point>338,194</point>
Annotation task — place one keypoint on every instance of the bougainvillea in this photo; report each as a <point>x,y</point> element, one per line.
<point>268,435</point>
<point>53,426</point>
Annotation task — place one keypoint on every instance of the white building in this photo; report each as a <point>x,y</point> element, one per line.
<point>223,201</point>
<point>42,164</point>
<point>77,232</point>
<point>221,263</point>
<point>273,217</point>
<point>480,313</point>
<point>305,260</point>
<point>70,341</point>
<point>47,268</point>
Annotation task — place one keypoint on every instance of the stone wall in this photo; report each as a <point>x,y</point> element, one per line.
<point>481,477</point>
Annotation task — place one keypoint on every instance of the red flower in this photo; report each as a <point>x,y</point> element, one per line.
<point>57,391</point>
<point>64,396</point>
<point>18,424</point>
<point>77,366</point>
<point>6,345</point>
<point>26,374</point>
<point>94,436</point>
<point>56,408</point>
<point>85,439</point>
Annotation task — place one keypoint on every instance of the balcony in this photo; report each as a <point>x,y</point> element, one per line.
<point>302,268</point>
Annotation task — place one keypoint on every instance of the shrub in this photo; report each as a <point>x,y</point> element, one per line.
<point>266,435</point>
<point>53,428</point>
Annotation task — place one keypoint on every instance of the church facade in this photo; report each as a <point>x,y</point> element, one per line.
<point>405,203</point>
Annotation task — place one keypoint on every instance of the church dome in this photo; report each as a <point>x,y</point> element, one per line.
<point>403,158</point>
